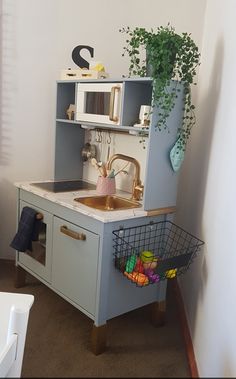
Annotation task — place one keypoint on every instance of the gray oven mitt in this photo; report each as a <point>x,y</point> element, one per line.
<point>176,156</point>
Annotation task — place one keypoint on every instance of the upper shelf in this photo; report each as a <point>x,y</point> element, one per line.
<point>128,129</point>
<point>108,80</point>
<point>104,104</point>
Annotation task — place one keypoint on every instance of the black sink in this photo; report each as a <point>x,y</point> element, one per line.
<point>65,185</point>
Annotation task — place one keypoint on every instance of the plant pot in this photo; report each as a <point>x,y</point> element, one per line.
<point>162,64</point>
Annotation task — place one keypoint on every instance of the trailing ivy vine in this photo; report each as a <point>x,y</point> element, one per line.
<point>170,59</point>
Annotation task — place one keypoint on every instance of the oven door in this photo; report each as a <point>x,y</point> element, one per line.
<point>39,258</point>
<point>99,102</point>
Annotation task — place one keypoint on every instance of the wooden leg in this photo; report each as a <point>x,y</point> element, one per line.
<point>158,312</point>
<point>20,276</point>
<point>99,339</point>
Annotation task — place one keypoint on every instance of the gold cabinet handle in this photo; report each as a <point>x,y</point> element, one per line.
<point>112,104</point>
<point>72,234</point>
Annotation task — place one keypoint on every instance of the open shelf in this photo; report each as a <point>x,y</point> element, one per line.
<point>129,129</point>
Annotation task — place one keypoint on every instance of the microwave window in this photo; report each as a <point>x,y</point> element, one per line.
<point>97,103</point>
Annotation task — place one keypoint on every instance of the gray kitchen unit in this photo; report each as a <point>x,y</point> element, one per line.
<point>74,253</point>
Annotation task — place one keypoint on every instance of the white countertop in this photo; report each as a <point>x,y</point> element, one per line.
<point>66,199</point>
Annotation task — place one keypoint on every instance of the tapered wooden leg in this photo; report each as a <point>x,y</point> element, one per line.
<point>158,312</point>
<point>20,276</point>
<point>99,339</point>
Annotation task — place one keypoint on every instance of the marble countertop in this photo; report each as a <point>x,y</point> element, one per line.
<point>66,199</point>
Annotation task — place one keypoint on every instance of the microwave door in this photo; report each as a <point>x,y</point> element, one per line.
<point>99,103</point>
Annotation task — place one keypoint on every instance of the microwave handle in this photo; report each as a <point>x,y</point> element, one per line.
<point>112,104</point>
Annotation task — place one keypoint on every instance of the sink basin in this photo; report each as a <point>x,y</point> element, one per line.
<point>108,202</point>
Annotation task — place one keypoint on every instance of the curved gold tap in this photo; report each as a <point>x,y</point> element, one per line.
<point>137,189</point>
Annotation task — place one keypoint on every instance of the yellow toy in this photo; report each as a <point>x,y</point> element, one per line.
<point>170,274</point>
<point>97,66</point>
<point>146,256</point>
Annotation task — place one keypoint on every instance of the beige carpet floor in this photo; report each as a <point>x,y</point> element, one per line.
<point>58,339</point>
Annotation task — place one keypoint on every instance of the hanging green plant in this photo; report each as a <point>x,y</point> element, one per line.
<point>169,59</point>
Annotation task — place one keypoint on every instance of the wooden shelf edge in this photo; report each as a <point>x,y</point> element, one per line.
<point>161,211</point>
<point>132,130</point>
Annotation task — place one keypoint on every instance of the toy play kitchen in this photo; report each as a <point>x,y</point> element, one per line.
<point>105,250</point>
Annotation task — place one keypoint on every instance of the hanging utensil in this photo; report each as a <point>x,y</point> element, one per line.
<point>88,152</point>
<point>102,168</point>
<point>108,142</point>
<point>99,167</point>
<point>122,169</point>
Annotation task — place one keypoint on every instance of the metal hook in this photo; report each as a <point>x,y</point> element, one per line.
<point>109,138</point>
<point>97,136</point>
<point>99,139</point>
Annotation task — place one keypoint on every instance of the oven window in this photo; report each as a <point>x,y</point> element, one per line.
<point>39,247</point>
<point>97,103</point>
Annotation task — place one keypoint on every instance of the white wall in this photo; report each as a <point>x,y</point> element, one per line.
<point>38,38</point>
<point>207,194</point>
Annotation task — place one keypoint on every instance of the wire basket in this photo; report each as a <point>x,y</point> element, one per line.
<point>157,251</point>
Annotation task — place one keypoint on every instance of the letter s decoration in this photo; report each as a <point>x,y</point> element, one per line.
<point>81,62</point>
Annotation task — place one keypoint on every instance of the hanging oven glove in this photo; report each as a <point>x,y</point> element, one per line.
<point>27,230</point>
<point>176,156</point>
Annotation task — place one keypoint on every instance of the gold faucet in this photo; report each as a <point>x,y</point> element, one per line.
<point>137,188</point>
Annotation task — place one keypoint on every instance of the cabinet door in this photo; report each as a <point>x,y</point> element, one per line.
<point>75,259</point>
<point>39,259</point>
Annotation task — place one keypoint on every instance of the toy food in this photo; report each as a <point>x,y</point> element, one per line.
<point>130,264</point>
<point>139,267</point>
<point>146,256</point>
<point>171,273</point>
<point>137,277</point>
<point>150,265</point>
<point>149,260</point>
<point>120,263</point>
<point>154,278</point>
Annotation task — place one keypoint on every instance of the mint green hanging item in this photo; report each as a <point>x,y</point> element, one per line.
<point>176,156</point>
